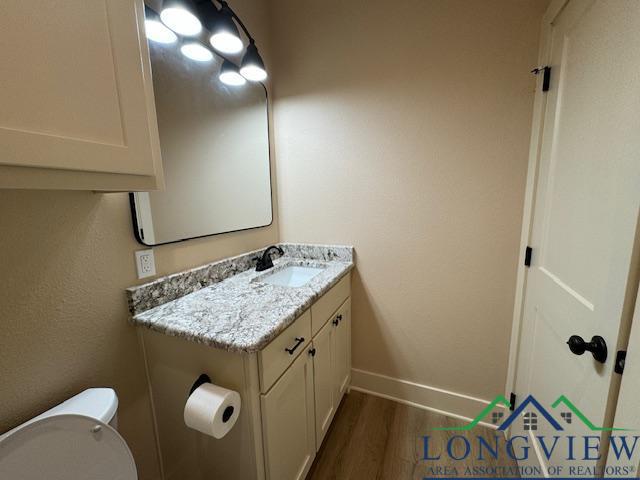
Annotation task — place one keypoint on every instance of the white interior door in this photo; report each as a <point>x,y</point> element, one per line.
<point>584,214</point>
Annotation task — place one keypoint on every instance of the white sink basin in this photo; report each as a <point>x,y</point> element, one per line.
<point>292,276</point>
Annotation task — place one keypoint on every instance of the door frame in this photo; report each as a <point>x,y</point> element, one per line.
<point>627,400</point>
<point>632,300</point>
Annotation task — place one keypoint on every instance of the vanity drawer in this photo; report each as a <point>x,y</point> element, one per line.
<point>274,359</point>
<point>323,309</point>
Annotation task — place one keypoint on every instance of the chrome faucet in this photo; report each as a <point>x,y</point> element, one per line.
<point>265,262</point>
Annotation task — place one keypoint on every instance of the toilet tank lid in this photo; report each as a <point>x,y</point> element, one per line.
<point>98,403</point>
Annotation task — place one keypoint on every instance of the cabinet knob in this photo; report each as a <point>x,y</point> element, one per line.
<point>312,352</point>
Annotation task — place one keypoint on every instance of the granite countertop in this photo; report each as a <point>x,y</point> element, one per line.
<point>239,313</point>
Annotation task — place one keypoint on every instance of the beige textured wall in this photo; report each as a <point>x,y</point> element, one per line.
<point>65,260</point>
<point>402,128</point>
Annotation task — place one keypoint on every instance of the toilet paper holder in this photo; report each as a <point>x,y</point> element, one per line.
<point>202,379</point>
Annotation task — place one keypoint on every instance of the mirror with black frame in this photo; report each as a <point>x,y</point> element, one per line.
<point>214,139</point>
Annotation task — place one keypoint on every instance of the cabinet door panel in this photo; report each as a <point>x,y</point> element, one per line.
<point>342,351</point>
<point>75,87</point>
<point>288,423</point>
<point>323,375</point>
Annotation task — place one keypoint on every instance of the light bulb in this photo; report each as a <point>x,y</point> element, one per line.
<point>229,75</point>
<point>225,36</point>
<point>157,32</point>
<point>252,67</point>
<point>181,21</point>
<point>196,52</point>
<point>253,73</point>
<point>232,78</point>
<point>226,42</point>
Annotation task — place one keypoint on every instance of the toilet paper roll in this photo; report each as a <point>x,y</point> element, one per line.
<point>212,410</point>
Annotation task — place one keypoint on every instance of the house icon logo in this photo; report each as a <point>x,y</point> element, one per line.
<point>530,418</point>
<point>531,412</point>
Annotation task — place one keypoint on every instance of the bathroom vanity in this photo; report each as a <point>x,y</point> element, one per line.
<point>281,338</point>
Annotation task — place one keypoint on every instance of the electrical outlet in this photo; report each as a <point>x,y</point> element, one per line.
<point>145,263</point>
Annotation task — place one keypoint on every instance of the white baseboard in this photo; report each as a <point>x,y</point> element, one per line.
<point>444,402</point>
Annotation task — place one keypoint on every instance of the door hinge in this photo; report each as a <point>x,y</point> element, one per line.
<point>512,402</point>
<point>527,256</point>
<point>621,357</point>
<point>546,76</point>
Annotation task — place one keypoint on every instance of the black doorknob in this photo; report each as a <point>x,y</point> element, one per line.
<point>597,346</point>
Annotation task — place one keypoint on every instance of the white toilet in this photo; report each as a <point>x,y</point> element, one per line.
<point>74,441</point>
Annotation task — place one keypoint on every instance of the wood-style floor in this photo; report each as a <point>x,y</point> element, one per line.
<point>374,438</point>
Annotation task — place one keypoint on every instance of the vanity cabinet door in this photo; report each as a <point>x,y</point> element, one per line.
<point>342,370</point>
<point>324,383</point>
<point>77,101</point>
<point>288,423</point>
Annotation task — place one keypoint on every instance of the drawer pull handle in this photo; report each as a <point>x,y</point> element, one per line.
<point>299,341</point>
<point>337,320</point>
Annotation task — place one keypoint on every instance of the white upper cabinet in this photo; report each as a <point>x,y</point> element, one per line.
<point>77,100</point>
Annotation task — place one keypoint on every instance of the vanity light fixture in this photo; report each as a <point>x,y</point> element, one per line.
<point>195,51</point>
<point>252,67</point>
<point>229,75</point>
<point>179,16</point>
<point>186,18</point>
